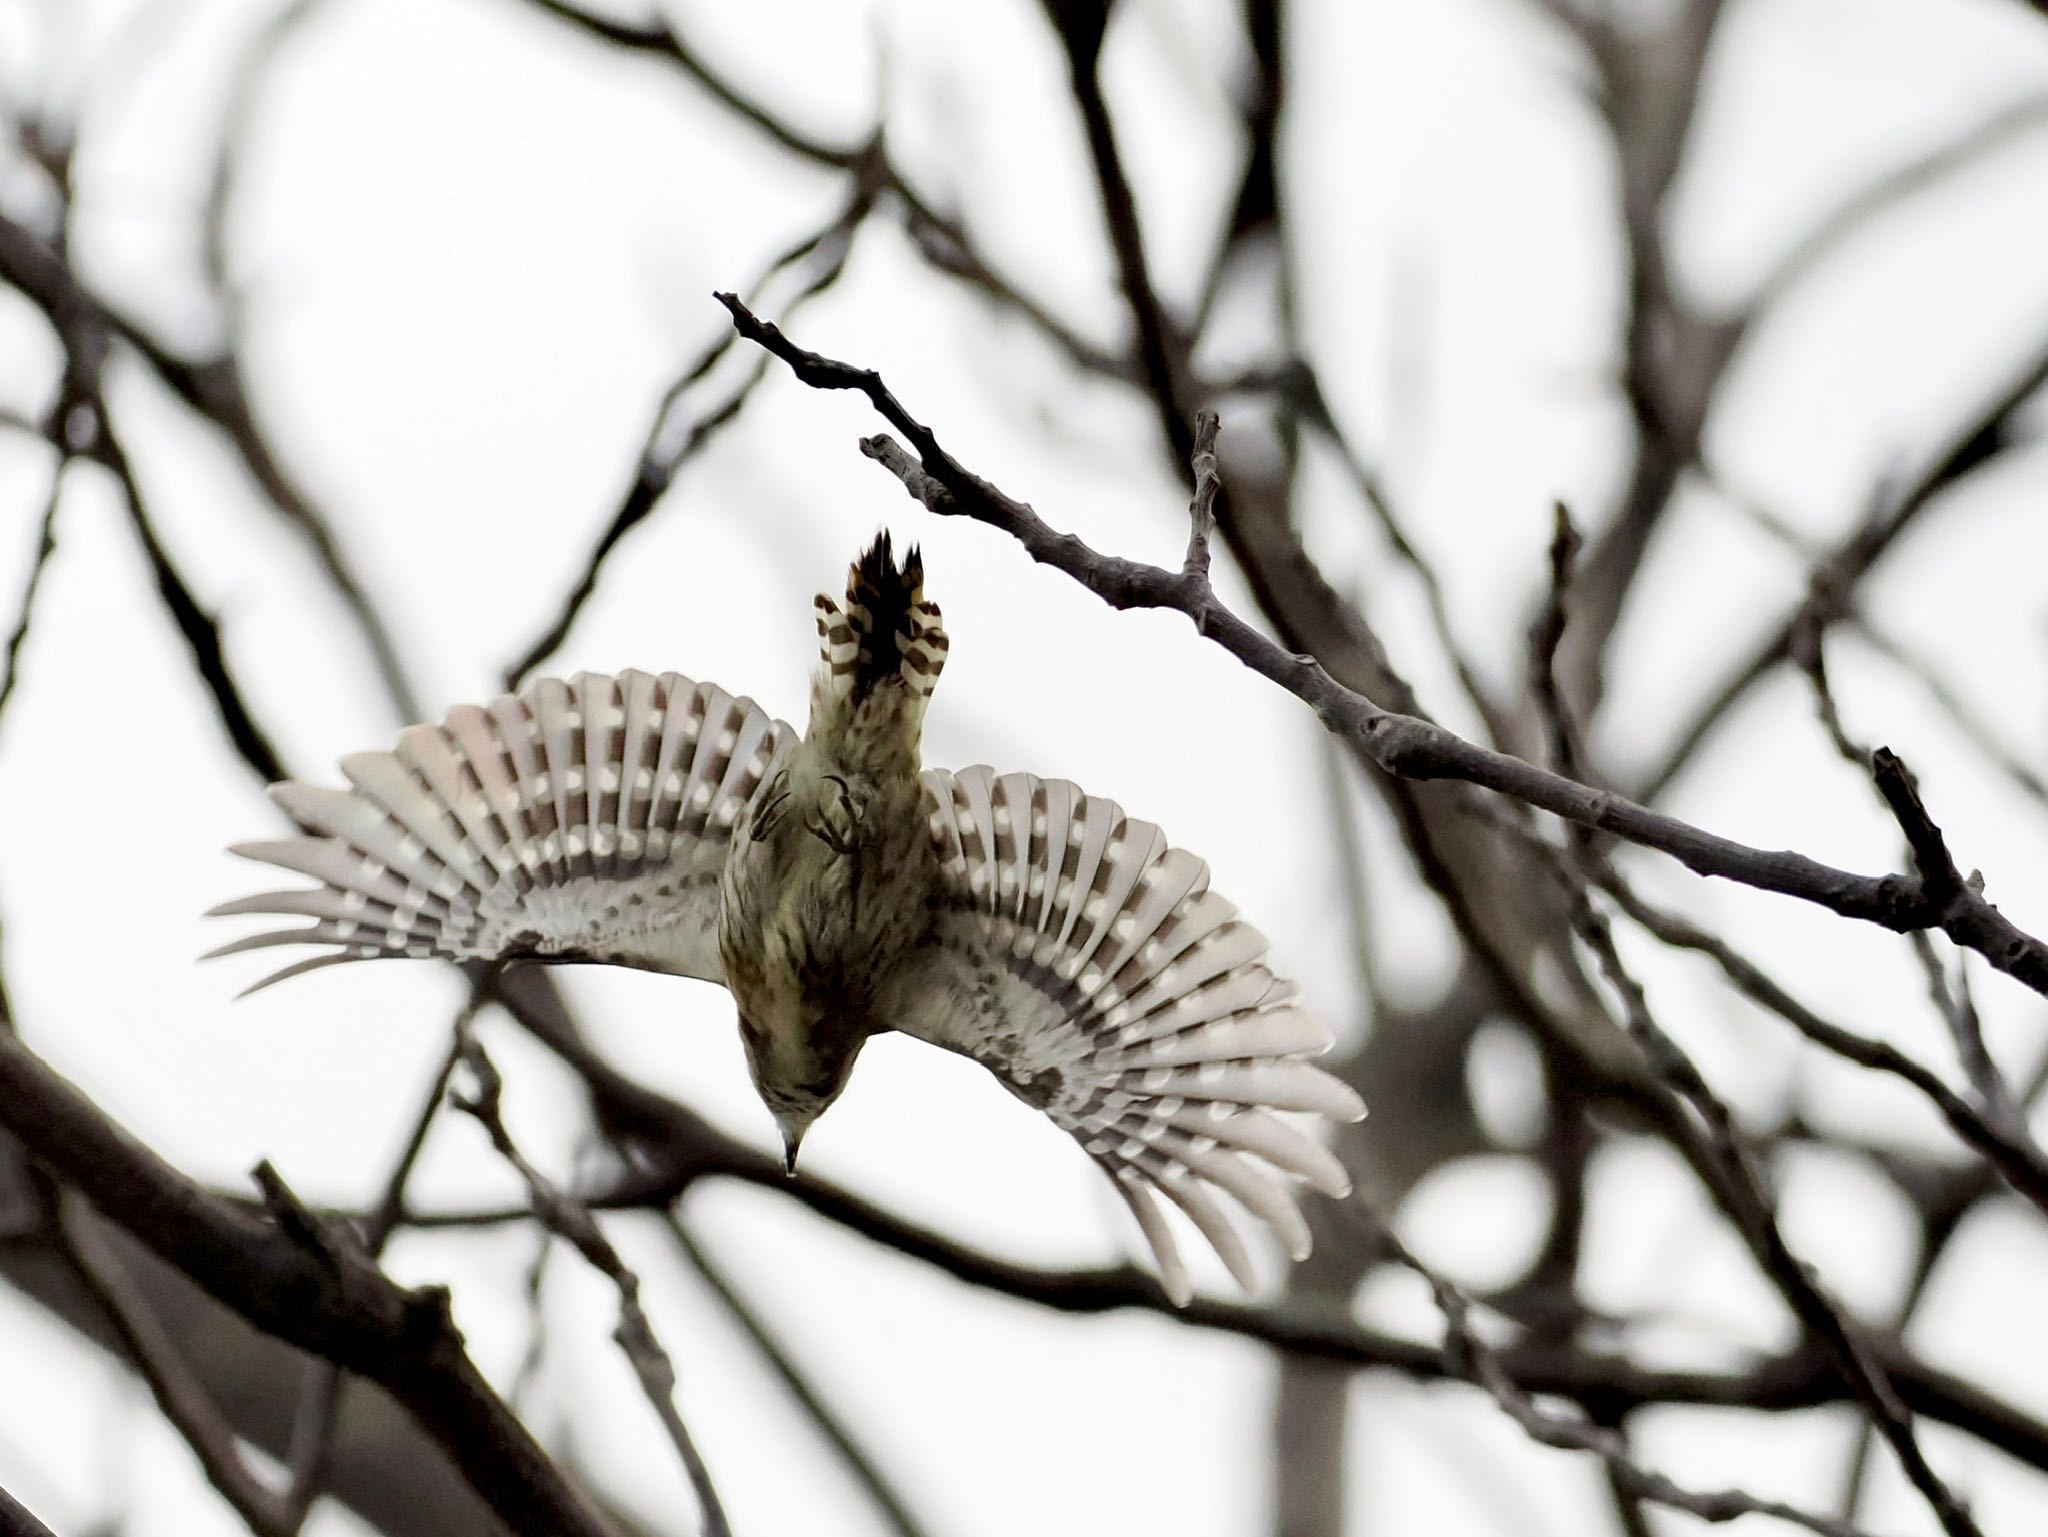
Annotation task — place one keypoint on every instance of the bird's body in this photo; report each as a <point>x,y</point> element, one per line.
<point>825,892</point>
<point>840,890</point>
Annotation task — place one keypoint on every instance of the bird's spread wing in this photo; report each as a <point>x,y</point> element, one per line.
<point>1087,964</point>
<point>586,820</point>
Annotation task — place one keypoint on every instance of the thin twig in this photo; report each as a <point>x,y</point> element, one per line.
<point>291,1279</point>
<point>1544,638</point>
<point>666,43</point>
<point>156,1357</point>
<point>1939,877</point>
<point>1403,745</point>
<point>320,1395</point>
<point>571,1221</point>
<point>1302,392</point>
<point>1202,507</point>
<point>887,1498</point>
<point>2016,1157</point>
<point>1958,1011</point>
<point>1747,1204</point>
<point>212,387</point>
<point>1961,714</point>
<point>1978,440</point>
<point>534,1357</point>
<point>46,546</point>
<point>1480,1364</point>
<point>89,433</point>
<point>1940,1222</point>
<point>200,630</point>
<point>680,1149</point>
<point>1194,569</point>
<point>1841,607</point>
<point>804,270</point>
<point>940,238</point>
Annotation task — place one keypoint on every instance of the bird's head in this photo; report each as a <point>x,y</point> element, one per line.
<point>798,1073</point>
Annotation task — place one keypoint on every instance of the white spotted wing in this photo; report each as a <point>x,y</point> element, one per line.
<point>1085,962</point>
<point>586,820</point>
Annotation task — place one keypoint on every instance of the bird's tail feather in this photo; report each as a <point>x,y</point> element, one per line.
<point>886,630</point>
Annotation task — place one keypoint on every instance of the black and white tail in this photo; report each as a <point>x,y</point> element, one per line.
<point>886,632</point>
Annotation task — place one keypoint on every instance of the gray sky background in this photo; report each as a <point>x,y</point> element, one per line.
<point>476,249</point>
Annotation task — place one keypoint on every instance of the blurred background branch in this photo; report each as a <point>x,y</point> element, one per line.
<point>1804,498</point>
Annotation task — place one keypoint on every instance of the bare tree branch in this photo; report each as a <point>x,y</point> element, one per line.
<point>2014,1156</point>
<point>1981,439</point>
<point>320,1398</point>
<point>15,1520</point>
<point>1404,745</point>
<point>185,1403</point>
<point>1481,1364</point>
<point>888,1500</point>
<point>1747,1204</point>
<point>570,1220</point>
<point>806,269</point>
<point>46,546</point>
<point>677,1149</point>
<point>328,1298</point>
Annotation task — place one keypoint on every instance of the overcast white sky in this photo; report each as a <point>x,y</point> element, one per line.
<point>476,249</point>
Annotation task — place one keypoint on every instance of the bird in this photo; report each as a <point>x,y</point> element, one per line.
<point>840,889</point>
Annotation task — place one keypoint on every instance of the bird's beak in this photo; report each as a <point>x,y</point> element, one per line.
<point>792,1139</point>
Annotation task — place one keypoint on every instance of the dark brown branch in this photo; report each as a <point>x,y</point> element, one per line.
<point>178,1393</point>
<point>1402,745</point>
<point>685,1149</point>
<point>1161,359</point>
<point>201,631</point>
<point>1938,876</point>
<point>320,1395</point>
<point>15,1520</point>
<point>332,1301</point>
<point>1646,92</point>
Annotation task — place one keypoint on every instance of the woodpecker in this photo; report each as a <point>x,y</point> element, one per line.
<point>838,889</point>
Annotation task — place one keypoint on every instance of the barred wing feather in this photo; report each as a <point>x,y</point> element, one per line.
<point>1085,962</point>
<point>586,820</point>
